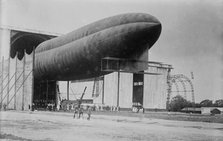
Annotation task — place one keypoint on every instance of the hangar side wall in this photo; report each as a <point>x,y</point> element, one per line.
<point>125,90</point>
<point>155,89</point>
<point>110,89</point>
<point>4,65</point>
<point>107,96</point>
<point>77,88</point>
<point>99,99</point>
<point>16,83</point>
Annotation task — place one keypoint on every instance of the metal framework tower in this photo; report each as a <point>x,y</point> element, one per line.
<point>184,81</point>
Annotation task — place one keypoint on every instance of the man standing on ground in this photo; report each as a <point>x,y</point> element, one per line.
<point>81,112</point>
<point>89,113</point>
<point>75,111</point>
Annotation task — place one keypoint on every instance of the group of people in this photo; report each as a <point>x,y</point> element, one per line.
<point>79,112</point>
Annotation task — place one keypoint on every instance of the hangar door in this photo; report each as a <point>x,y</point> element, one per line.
<point>138,89</point>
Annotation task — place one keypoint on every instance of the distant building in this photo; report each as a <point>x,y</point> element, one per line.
<point>204,110</point>
<point>208,110</point>
<point>191,110</point>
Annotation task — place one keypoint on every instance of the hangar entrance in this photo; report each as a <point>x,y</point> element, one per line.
<point>138,89</point>
<point>22,45</point>
<point>45,93</point>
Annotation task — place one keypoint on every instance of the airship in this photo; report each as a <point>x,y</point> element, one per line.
<point>78,54</point>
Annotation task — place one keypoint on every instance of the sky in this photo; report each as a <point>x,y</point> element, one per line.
<point>191,39</point>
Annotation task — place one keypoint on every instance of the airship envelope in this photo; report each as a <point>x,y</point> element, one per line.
<point>78,54</point>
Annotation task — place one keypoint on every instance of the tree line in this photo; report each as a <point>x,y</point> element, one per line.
<point>177,103</point>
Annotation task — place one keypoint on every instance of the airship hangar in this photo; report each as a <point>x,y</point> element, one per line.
<point>109,57</point>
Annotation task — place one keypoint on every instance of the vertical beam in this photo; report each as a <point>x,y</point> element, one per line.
<point>118,88</point>
<point>23,87</point>
<point>57,95</point>
<point>16,61</point>
<point>33,65</point>
<point>132,87</point>
<point>8,82</point>
<point>169,87</point>
<point>118,68</point>
<point>142,88</point>
<point>93,95</point>
<point>8,69</point>
<point>2,80</point>
<point>68,90</point>
<point>103,90</point>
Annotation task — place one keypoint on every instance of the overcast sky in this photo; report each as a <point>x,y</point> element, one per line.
<point>191,38</point>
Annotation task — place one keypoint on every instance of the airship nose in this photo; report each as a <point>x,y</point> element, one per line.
<point>153,32</point>
<point>142,35</point>
<point>133,39</point>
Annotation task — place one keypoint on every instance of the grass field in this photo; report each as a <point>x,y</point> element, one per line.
<point>168,116</point>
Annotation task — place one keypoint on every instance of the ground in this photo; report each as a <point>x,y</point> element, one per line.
<point>60,126</point>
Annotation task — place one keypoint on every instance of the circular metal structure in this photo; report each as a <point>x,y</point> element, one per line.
<point>185,83</point>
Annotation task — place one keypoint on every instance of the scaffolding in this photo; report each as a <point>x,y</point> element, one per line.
<point>186,87</point>
<point>11,82</point>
